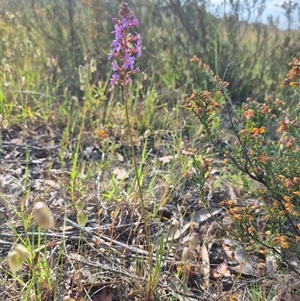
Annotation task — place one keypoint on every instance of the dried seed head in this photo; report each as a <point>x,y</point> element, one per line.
<point>193,241</point>
<point>43,216</point>
<point>185,254</point>
<point>16,257</point>
<point>14,261</point>
<point>82,218</point>
<point>79,205</point>
<point>23,252</point>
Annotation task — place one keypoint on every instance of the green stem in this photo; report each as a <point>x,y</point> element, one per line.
<point>144,212</point>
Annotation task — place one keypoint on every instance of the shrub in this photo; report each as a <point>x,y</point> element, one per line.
<point>271,159</point>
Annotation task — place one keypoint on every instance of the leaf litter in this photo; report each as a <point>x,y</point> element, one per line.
<point>101,261</point>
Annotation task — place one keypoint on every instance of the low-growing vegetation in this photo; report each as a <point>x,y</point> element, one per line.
<point>149,151</point>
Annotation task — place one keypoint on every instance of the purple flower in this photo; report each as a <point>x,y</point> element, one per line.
<point>110,55</point>
<point>125,24</point>
<point>115,66</point>
<point>115,77</point>
<point>115,20</point>
<point>138,39</point>
<point>138,50</point>
<point>128,81</point>
<point>116,45</point>
<point>118,31</point>
<point>137,44</point>
<point>129,61</point>
<point>135,22</point>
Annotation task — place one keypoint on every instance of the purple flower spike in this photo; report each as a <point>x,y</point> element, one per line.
<point>126,46</point>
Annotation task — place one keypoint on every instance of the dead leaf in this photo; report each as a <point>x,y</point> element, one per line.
<point>120,173</point>
<point>105,295</point>
<point>204,215</point>
<point>239,256</point>
<point>120,158</point>
<point>52,184</point>
<point>205,266</point>
<point>221,270</point>
<point>181,232</point>
<point>167,159</point>
<point>277,298</point>
<point>271,265</point>
<point>17,141</point>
